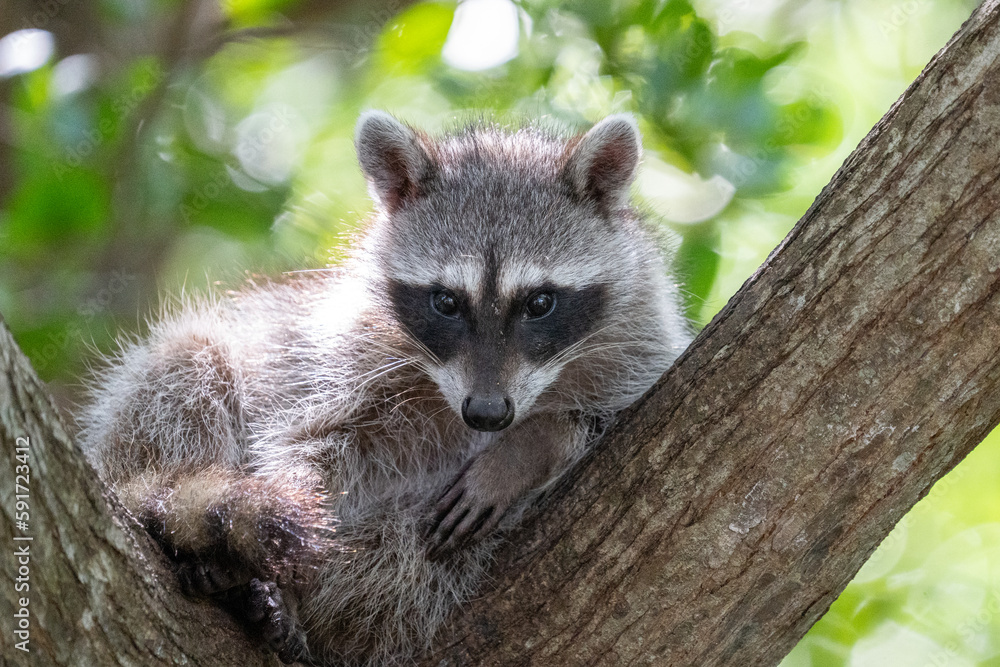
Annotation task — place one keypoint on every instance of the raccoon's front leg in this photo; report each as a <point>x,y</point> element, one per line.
<point>522,459</point>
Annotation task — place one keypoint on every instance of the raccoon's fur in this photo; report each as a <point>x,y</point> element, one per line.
<point>302,448</point>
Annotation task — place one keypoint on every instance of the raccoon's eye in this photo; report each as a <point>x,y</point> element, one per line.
<point>540,305</point>
<point>445,303</point>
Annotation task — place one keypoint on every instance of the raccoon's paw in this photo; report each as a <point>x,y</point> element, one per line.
<point>467,511</point>
<point>207,579</point>
<point>260,606</point>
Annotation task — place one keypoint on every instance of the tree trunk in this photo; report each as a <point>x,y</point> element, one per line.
<point>96,589</point>
<point>725,511</point>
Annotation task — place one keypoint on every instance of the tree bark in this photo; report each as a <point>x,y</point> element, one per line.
<point>98,590</point>
<point>728,508</point>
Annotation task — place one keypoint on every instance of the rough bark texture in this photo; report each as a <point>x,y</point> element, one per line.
<point>725,511</point>
<point>100,592</point>
<point>860,364</point>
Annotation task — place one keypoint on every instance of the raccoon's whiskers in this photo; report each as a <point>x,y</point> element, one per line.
<point>559,358</point>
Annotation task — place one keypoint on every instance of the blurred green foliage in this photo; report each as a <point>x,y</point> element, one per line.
<point>243,160</point>
<point>154,171</point>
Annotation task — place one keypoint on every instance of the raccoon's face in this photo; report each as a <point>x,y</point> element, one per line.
<point>496,256</point>
<point>493,353</point>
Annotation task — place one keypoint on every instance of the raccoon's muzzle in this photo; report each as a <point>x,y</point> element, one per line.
<point>488,413</point>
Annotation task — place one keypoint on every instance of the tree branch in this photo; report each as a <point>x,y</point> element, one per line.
<point>727,510</point>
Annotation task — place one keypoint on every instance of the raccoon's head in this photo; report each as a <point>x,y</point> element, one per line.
<point>514,265</point>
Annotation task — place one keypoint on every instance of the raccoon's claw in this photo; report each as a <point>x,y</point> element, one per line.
<point>257,604</point>
<point>262,609</point>
<point>201,579</point>
<point>460,517</point>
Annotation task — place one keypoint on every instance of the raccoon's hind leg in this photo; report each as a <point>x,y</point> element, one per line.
<point>167,429</point>
<point>244,541</point>
<point>264,610</point>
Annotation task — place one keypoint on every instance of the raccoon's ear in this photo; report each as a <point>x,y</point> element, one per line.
<point>392,158</point>
<point>602,164</point>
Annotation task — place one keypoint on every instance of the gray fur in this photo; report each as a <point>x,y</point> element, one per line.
<point>309,393</point>
<point>392,157</point>
<point>604,163</point>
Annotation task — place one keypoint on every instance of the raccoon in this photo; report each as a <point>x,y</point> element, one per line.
<point>333,456</point>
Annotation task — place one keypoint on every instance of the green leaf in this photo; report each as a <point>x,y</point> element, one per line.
<point>697,265</point>
<point>411,42</point>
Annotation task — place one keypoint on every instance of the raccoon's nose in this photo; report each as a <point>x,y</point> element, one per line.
<point>490,413</point>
